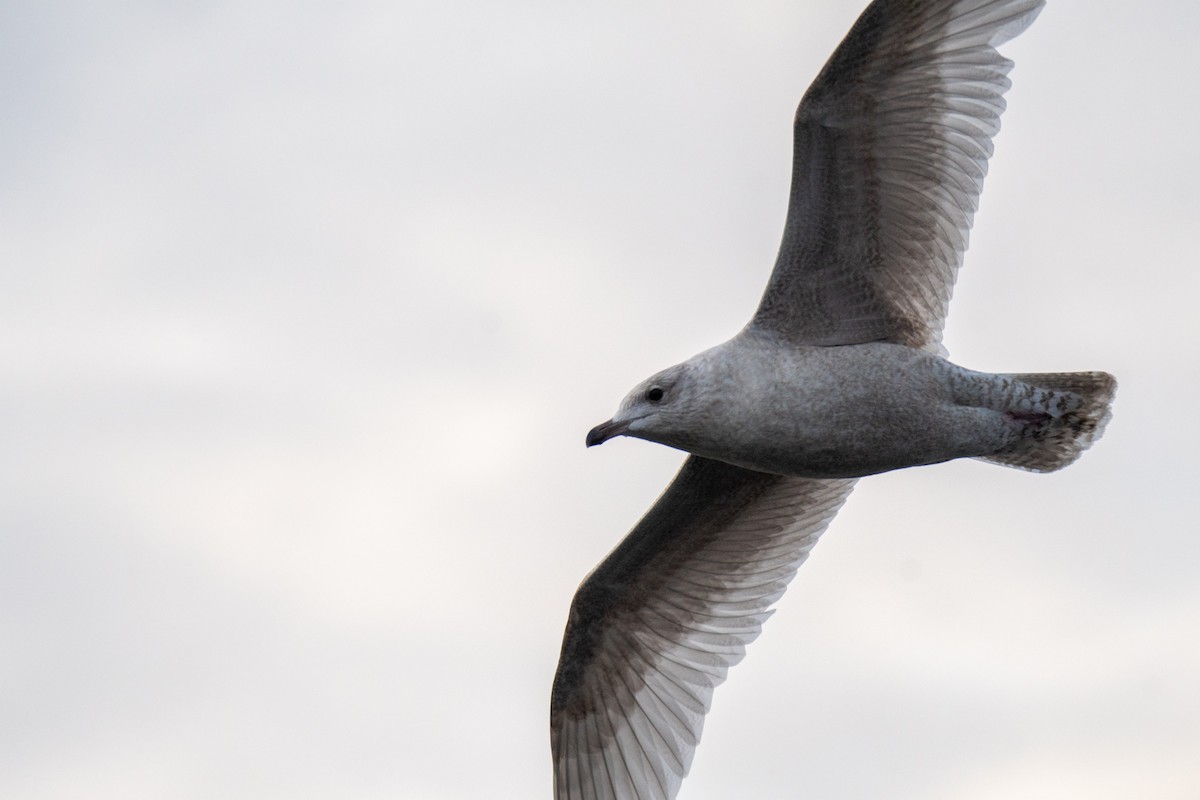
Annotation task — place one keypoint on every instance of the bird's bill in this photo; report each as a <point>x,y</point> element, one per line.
<point>605,431</point>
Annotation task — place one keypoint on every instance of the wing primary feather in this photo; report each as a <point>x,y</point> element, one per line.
<point>626,775</point>
<point>665,736</point>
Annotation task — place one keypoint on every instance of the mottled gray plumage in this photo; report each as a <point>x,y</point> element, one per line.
<point>891,144</point>
<point>839,374</point>
<point>655,627</point>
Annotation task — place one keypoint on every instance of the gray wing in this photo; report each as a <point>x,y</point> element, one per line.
<point>660,621</point>
<point>891,148</point>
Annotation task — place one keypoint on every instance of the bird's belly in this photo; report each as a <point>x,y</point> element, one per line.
<point>871,443</point>
<point>887,419</point>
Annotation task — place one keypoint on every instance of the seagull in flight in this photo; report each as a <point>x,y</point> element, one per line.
<point>839,374</point>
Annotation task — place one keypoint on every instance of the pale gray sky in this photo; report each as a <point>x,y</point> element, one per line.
<point>305,310</point>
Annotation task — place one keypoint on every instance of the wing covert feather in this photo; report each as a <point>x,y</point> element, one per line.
<point>657,625</point>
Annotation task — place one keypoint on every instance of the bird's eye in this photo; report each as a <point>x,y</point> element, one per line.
<point>654,394</point>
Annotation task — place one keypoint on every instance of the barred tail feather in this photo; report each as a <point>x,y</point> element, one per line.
<point>1080,408</point>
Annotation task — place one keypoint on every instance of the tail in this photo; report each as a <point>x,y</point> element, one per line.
<point>1074,408</point>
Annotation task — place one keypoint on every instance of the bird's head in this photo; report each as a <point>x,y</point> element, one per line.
<point>656,410</point>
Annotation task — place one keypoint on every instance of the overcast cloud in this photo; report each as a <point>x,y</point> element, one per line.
<point>305,310</point>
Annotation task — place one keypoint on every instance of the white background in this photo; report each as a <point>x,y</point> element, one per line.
<point>305,310</point>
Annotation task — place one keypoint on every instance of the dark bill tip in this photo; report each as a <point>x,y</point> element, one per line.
<point>605,431</point>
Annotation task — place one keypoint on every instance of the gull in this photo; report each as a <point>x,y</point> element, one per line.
<point>839,374</point>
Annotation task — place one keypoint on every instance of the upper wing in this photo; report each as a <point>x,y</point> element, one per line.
<point>657,625</point>
<point>891,147</point>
